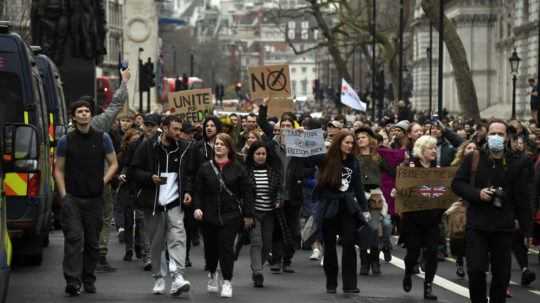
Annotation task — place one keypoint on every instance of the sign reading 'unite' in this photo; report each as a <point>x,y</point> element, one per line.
<point>193,105</point>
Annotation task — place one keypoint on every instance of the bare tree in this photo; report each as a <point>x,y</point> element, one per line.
<point>466,89</point>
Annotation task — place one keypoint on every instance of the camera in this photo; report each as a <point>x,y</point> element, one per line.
<point>498,197</point>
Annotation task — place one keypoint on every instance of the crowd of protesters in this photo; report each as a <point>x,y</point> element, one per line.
<point>230,181</point>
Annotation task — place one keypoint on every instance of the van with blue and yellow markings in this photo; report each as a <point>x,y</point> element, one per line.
<point>24,124</point>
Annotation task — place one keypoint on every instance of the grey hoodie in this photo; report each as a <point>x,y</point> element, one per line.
<point>104,121</point>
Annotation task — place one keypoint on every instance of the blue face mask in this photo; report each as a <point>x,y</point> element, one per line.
<point>495,143</point>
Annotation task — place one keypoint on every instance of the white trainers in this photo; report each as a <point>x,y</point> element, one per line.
<point>226,289</point>
<point>213,282</point>
<point>159,287</point>
<point>315,255</point>
<point>179,285</point>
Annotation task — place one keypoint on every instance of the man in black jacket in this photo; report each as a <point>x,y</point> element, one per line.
<point>497,195</point>
<point>162,168</point>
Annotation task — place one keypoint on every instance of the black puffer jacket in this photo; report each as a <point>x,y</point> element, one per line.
<point>482,215</point>
<point>217,205</point>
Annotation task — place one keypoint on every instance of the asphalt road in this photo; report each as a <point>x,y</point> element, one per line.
<point>131,284</point>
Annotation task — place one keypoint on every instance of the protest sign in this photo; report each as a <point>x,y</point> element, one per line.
<point>424,188</point>
<point>270,81</point>
<point>304,143</point>
<point>278,106</point>
<point>192,105</point>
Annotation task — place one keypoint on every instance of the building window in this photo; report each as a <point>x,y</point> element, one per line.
<point>304,69</point>
<point>293,70</point>
<point>294,86</point>
<point>304,87</point>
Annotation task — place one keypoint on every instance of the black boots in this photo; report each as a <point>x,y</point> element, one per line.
<point>428,292</point>
<point>407,283</point>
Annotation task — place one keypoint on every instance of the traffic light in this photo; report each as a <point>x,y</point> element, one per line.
<point>147,76</point>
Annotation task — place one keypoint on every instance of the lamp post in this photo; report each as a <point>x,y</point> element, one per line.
<point>373,59</point>
<point>441,57</point>
<point>430,58</point>
<point>514,66</point>
<point>401,30</point>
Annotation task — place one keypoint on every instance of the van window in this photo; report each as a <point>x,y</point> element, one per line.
<point>11,101</point>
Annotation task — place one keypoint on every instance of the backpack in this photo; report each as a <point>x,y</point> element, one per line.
<point>457,213</point>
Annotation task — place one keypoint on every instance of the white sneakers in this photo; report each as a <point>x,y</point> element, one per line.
<point>315,255</point>
<point>226,289</point>
<point>213,282</point>
<point>159,287</point>
<point>179,285</point>
<point>214,285</point>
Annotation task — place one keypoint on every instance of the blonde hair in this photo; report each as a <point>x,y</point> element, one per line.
<point>460,153</point>
<point>421,144</point>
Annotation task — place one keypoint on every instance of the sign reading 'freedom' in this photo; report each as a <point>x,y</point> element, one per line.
<point>192,105</point>
<point>270,81</point>
<point>304,143</point>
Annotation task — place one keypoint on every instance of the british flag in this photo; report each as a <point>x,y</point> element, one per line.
<point>431,192</point>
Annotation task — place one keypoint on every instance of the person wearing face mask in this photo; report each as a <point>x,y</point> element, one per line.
<point>162,166</point>
<point>497,195</point>
<point>420,229</point>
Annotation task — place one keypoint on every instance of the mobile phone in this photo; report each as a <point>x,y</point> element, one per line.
<point>124,65</point>
<point>435,118</point>
<point>162,180</point>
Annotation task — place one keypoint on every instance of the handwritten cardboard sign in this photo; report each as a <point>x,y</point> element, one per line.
<point>424,188</point>
<point>192,105</point>
<point>270,81</point>
<point>304,143</point>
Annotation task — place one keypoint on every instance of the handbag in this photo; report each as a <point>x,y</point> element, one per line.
<point>227,190</point>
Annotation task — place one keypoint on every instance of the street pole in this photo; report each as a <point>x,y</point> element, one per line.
<point>139,74</point>
<point>441,58</point>
<point>191,64</point>
<point>354,67</point>
<point>514,79</point>
<point>430,67</point>
<point>174,62</point>
<point>373,59</point>
<point>401,30</point>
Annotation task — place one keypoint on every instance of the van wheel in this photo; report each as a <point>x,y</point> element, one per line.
<point>34,260</point>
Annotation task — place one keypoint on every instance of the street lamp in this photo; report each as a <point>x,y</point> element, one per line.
<point>514,66</point>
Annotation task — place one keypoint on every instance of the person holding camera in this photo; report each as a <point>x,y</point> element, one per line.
<point>223,201</point>
<point>497,195</point>
<point>162,168</point>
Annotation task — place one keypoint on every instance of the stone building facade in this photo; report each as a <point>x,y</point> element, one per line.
<point>489,30</point>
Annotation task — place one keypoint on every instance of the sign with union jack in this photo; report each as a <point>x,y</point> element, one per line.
<point>424,188</point>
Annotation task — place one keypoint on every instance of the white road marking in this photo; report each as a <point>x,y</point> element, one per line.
<point>439,281</point>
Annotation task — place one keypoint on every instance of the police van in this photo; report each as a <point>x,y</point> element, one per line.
<point>26,154</point>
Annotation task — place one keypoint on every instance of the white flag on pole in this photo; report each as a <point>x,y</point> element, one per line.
<point>350,98</point>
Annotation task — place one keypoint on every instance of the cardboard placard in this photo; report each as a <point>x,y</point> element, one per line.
<point>424,188</point>
<point>277,106</point>
<point>192,105</point>
<point>304,143</point>
<point>270,81</point>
